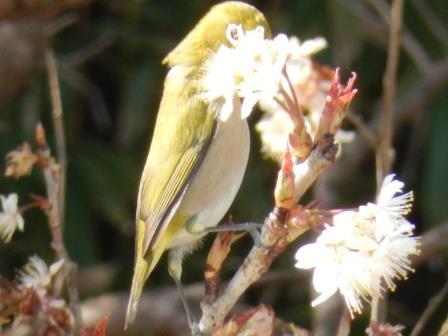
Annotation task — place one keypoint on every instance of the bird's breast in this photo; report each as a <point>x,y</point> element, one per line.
<point>216,183</point>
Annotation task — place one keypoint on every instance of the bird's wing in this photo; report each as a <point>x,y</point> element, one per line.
<point>183,131</point>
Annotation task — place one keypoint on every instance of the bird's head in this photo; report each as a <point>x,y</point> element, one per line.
<point>212,31</point>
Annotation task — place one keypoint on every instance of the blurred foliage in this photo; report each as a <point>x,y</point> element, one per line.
<point>111,80</point>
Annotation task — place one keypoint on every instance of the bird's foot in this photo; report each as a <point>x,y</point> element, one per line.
<point>194,328</point>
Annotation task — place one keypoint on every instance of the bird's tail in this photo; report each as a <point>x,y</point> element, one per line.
<point>144,265</point>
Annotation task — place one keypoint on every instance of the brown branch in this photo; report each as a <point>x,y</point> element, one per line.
<point>363,129</point>
<point>434,242</point>
<point>58,127</point>
<point>408,40</point>
<point>384,154</point>
<point>377,31</point>
<point>89,51</point>
<point>167,319</point>
<point>431,20</point>
<point>434,315</point>
<point>54,174</point>
<point>91,92</point>
<point>274,239</point>
<point>52,182</point>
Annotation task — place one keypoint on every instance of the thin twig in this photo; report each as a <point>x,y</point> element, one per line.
<point>292,109</point>
<point>363,129</point>
<point>281,104</point>
<point>52,178</point>
<point>375,29</point>
<point>408,40</point>
<point>434,242</point>
<point>431,20</point>
<point>91,92</point>
<point>384,157</point>
<point>434,315</point>
<point>58,127</point>
<point>89,51</point>
<point>54,174</point>
<point>292,89</point>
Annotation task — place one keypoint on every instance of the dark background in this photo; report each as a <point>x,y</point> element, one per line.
<point>111,79</point>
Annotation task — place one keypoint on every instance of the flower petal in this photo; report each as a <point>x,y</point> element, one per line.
<point>307,256</point>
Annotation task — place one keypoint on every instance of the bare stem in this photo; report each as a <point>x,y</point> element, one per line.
<point>409,42</point>
<point>292,109</point>
<point>384,156</point>
<point>434,315</point>
<point>433,22</point>
<point>433,242</point>
<point>291,88</point>
<point>376,30</point>
<point>58,127</point>
<point>54,175</point>
<point>281,104</point>
<point>363,129</point>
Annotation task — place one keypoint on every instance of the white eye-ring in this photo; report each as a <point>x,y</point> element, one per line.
<point>260,30</point>
<point>233,33</point>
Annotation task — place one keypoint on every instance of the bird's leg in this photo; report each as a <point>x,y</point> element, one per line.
<point>253,229</point>
<point>175,270</point>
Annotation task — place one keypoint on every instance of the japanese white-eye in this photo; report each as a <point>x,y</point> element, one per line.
<point>196,161</point>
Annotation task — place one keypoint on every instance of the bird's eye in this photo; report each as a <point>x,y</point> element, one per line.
<point>233,33</point>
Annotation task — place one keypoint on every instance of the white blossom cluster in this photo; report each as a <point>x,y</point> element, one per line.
<point>311,84</point>
<point>37,275</point>
<point>365,250</point>
<point>250,69</point>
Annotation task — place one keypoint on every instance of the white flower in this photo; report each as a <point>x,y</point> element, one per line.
<point>300,65</point>
<point>311,85</point>
<point>251,69</point>
<point>364,251</point>
<point>10,218</point>
<point>274,130</point>
<point>37,275</point>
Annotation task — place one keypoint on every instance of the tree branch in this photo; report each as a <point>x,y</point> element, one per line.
<point>363,129</point>
<point>58,127</point>
<point>384,153</point>
<point>434,242</point>
<point>274,239</point>
<point>431,20</point>
<point>54,174</point>
<point>408,40</point>
<point>377,31</point>
<point>434,315</point>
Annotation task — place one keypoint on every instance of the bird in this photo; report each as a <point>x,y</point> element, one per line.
<point>196,161</point>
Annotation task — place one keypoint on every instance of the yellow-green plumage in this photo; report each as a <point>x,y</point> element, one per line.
<point>196,162</point>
